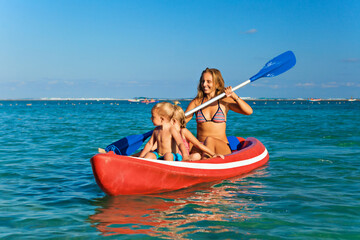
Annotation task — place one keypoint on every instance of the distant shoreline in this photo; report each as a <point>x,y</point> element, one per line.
<point>176,99</point>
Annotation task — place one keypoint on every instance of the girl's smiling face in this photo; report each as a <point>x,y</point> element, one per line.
<point>207,83</point>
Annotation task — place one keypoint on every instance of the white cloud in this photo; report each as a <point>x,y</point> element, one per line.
<point>251,31</point>
<point>330,85</point>
<point>351,60</point>
<point>339,84</point>
<point>305,84</point>
<point>69,83</point>
<point>53,82</point>
<point>276,86</point>
<point>349,84</point>
<point>20,84</point>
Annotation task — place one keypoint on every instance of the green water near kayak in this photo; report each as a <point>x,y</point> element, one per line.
<point>309,189</point>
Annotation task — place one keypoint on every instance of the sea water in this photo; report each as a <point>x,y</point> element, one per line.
<point>308,190</point>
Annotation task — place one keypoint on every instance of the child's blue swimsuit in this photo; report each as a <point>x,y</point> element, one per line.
<point>177,156</point>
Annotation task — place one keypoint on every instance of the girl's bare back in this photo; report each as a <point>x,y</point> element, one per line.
<point>163,139</point>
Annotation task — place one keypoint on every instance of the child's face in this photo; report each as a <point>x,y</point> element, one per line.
<point>156,119</point>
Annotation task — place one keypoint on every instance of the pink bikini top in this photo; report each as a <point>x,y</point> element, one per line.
<point>219,116</point>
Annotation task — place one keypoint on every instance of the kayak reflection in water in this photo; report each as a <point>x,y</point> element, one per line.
<point>182,213</point>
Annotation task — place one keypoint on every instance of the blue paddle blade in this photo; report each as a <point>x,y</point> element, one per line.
<point>276,66</point>
<point>128,145</point>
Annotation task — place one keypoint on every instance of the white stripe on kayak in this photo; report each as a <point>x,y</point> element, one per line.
<point>210,165</point>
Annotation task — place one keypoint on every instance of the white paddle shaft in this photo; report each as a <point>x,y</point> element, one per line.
<point>215,99</point>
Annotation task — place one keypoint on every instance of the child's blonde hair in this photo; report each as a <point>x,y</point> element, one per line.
<point>164,109</point>
<point>179,116</point>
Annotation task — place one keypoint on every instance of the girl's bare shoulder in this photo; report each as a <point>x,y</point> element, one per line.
<point>196,102</point>
<point>193,104</point>
<point>185,131</point>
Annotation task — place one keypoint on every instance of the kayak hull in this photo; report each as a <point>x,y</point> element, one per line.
<point>126,175</point>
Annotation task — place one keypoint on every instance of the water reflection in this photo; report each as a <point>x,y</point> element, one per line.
<point>174,215</point>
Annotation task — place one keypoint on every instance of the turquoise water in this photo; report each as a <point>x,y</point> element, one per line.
<point>309,189</point>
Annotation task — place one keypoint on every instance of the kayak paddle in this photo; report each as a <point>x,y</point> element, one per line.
<point>276,66</point>
<point>128,145</point>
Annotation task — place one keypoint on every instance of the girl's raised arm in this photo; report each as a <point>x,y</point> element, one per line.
<point>235,103</point>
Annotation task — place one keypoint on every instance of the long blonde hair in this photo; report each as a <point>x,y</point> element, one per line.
<point>218,82</point>
<point>164,109</point>
<point>179,116</point>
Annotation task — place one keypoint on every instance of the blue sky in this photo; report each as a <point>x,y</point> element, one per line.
<point>125,49</point>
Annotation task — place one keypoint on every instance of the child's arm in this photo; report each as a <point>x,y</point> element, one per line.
<point>154,147</point>
<point>191,138</point>
<point>176,135</point>
<point>148,146</point>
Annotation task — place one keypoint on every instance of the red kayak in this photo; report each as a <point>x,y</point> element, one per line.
<point>126,175</point>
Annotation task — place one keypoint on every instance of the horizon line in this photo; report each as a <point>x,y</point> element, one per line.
<point>164,99</point>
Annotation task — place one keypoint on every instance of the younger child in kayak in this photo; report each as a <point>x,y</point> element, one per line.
<point>179,122</point>
<point>163,136</point>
